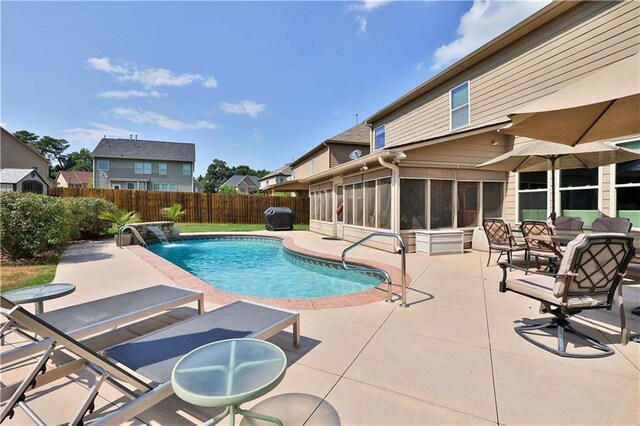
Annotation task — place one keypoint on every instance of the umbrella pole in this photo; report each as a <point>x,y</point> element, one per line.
<point>553,189</point>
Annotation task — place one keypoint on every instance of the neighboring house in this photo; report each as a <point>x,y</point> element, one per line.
<point>277,176</point>
<point>197,186</point>
<point>144,165</point>
<point>425,145</point>
<point>330,153</point>
<point>243,184</point>
<point>17,155</point>
<point>74,179</point>
<point>23,180</point>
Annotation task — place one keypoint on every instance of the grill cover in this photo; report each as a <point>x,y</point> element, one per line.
<point>278,219</point>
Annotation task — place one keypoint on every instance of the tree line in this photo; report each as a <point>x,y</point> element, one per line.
<point>219,172</point>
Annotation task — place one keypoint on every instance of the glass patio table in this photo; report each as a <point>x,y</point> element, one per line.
<point>229,373</point>
<point>38,294</point>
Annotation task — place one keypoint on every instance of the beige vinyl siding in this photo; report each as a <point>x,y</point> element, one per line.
<point>470,150</point>
<point>320,164</point>
<point>302,170</point>
<point>321,161</point>
<point>588,37</point>
<point>510,199</point>
<point>355,233</point>
<point>16,155</point>
<point>324,228</point>
<point>339,154</point>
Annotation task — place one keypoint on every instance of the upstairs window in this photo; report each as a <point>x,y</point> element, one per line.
<point>142,168</point>
<point>162,168</point>
<point>186,169</point>
<point>459,106</point>
<point>103,165</point>
<point>379,137</point>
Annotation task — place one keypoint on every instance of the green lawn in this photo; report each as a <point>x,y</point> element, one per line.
<point>227,227</point>
<point>17,275</point>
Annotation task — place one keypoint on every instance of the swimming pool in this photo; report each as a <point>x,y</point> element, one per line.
<point>262,267</point>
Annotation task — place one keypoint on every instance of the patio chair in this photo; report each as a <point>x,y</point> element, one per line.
<point>97,316</point>
<point>151,357</point>
<point>591,270</point>
<point>500,239</point>
<point>536,248</point>
<point>611,224</point>
<point>567,223</point>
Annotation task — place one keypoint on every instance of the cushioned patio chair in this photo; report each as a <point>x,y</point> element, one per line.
<point>531,228</point>
<point>145,362</point>
<point>591,270</point>
<point>97,316</point>
<point>611,224</point>
<point>500,239</point>
<point>568,223</point>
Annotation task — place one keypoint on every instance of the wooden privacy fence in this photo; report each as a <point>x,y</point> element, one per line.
<point>201,208</point>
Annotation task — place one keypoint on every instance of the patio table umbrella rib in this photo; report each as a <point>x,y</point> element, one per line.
<point>602,105</point>
<point>540,156</point>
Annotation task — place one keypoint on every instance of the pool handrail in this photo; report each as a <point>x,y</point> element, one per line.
<point>402,251</point>
<point>134,231</point>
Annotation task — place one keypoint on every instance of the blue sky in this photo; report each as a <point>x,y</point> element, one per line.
<point>255,83</point>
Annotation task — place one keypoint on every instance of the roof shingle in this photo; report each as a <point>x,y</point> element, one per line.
<point>145,150</point>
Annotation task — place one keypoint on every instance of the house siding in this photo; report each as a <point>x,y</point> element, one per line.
<point>16,155</point>
<point>120,169</point>
<point>339,154</point>
<point>588,37</point>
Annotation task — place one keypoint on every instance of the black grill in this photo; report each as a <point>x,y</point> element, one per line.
<point>278,219</point>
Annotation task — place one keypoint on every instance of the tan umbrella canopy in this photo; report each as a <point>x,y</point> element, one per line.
<point>540,156</point>
<point>603,105</point>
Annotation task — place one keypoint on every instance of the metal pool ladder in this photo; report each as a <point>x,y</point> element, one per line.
<point>382,271</point>
<point>134,231</point>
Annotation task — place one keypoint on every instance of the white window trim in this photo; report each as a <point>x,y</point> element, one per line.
<point>190,169</point>
<point>385,137</point>
<point>451,129</point>
<point>559,191</point>
<point>166,169</point>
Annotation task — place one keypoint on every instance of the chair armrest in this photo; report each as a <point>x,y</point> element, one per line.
<point>505,266</point>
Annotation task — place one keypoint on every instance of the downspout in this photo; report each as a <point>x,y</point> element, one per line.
<point>395,194</point>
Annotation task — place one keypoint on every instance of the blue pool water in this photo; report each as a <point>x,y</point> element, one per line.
<point>261,268</point>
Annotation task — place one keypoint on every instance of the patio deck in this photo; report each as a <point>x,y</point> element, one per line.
<point>452,357</point>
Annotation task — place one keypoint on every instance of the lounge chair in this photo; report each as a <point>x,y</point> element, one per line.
<point>591,270</point>
<point>97,316</point>
<point>500,239</point>
<point>151,357</point>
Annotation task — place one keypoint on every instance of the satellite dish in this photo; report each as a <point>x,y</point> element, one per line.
<point>355,154</point>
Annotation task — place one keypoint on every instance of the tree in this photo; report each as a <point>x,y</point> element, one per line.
<point>78,160</point>
<point>219,172</point>
<point>52,148</point>
<point>227,190</point>
<point>26,137</point>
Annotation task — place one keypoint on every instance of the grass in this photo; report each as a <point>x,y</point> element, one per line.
<point>18,275</point>
<point>228,227</point>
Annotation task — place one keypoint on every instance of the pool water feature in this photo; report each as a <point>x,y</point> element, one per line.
<point>262,267</point>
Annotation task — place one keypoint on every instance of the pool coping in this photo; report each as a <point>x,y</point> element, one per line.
<point>185,279</point>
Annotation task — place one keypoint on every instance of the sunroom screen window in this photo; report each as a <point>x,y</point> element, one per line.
<point>370,204</point>
<point>357,203</point>
<point>460,106</point>
<point>379,137</point>
<point>412,204</point>
<point>340,200</point>
<point>348,205</point>
<point>441,204</point>
<point>467,204</point>
<point>384,203</point>
<point>492,197</point>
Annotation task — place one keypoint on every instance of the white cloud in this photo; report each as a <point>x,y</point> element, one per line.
<point>91,136</point>
<point>362,24</point>
<point>419,65</point>
<point>484,21</point>
<point>149,77</point>
<point>104,64</point>
<point>251,108</point>
<point>126,94</point>
<point>151,117</point>
<point>368,5</point>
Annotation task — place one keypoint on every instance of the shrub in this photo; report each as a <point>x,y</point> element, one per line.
<point>119,217</point>
<point>227,190</point>
<point>84,220</point>
<point>173,213</point>
<point>32,225</point>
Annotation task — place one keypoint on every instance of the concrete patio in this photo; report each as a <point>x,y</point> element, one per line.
<point>452,357</point>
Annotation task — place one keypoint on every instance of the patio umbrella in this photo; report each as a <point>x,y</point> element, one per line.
<point>539,156</point>
<point>603,105</point>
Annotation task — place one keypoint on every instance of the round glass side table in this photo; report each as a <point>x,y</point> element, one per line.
<point>229,373</point>
<point>38,294</point>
